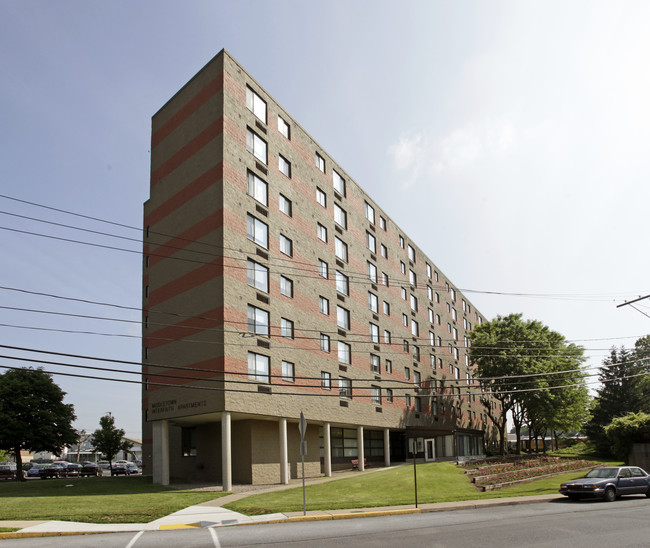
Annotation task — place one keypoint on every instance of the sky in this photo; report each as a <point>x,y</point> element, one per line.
<point>509,140</point>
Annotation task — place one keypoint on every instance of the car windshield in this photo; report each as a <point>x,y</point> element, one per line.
<point>602,473</point>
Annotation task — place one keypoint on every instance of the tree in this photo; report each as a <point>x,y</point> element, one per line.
<point>515,361</point>
<point>624,431</point>
<point>33,416</point>
<point>109,440</point>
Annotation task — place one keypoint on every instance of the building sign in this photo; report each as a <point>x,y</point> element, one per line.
<point>166,407</point>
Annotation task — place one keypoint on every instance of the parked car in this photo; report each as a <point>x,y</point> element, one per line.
<point>72,469</point>
<point>89,468</point>
<point>124,468</point>
<point>34,470</point>
<point>8,470</point>
<point>608,483</point>
<point>104,464</point>
<point>52,470</point>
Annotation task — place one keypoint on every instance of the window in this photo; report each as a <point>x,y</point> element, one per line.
<point>407,400</point>
<point>371,243</point>
<point>342,317</point>
<point>320,162</point>
<point>403,292</point>
<point>415,328</point>
<point>321,198</point>
<point>416,353</point>
<point>285,205</point>
<point>432,338</point>
<point>456,354</point>
<point>454,316</point>
<point>325,380</point>
<point>375,394</point>
<point>439,340</point>
<point>448,327</point>
<point>322,269</point>
<point>382,223</point>
<point>342,284</point>
<point>428,267</point>
<point>283,128</point>
<point>384,251</point>
<point>286,287</point>
<point>389,366</point>
<point>384,279</point>
<point>343,352</point>
<point>322,232</point>
<point>456,373</point>
<point>406,346</point>
<point>464,306</point>
<point>339,183</point>
<point>286,245</point>
<point>258,321</point>
<point>411,252</point>
<point>373,302</point>
<point>387,336</point>
<point>288,371</point>
<point>453,294</point>
<point>416,378</point>
<point>256,145</point>
<point>402,267</point>
<point>258,367</point>
<point>405,320</point>
<point>340,249</point>
<point>435,275</point>
<point>340,216</point>
<point>401,242</point>
<point>286,328</point>
<point>407,373</point>
<point>284,166</point>
<point>188,441</point>
<point>257,188</point>
<point>455,333</point>
<point>430,313</point>
<point>438,319</point>
<point>256,104</point>
<point>417,404</point>
<point>372,272</point>
<point>374,333</point>
<point>389,395</point>
<point>413,279</point>
<point>386,308</point>
<point>370,213</point>
<point>432,361</point>
<point>374,364</point>
<point>437,297</point>
<point>324,305</point>
<point>414,303</point>
<point>324,342</point>
<point>257,275</point>
<point>257,231</point>
<point>345,388</point>
<point>429,293</point>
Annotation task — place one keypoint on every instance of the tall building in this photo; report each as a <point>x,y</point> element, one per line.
<point>274,285</point>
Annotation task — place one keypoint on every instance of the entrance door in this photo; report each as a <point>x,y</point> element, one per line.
<point>430,449</point>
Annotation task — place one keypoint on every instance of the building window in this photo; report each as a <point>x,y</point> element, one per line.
<point>370,213</point>
<point>286,245</point>
<point>258,276</point>
<point>258,321</point>
<point>415,328</point>
<point>382,223</point>
<point>389,395</point>
<point>372,272</point>
<point>428,267</point>
<point>374,333</point>
<point>402,267</point>
<point>325,380</point>
<point>320,162</point>
<point>407,373</point>
<point>340,216</point>
<point>401,242</point>
<point>411,252</point>
<point>416,378</point>
<point>438,319</point>
<point>374,364</point>
<point>432,339</point>
<point>257,231</point>
<point>285,205</point>
<point>256,104</point>
<point>455,333</point>
<point>188,441</point>
<point>437,297</point>
<point>322,232</point>
<point>324,305</point>
<point>286,287</point>
<point>283,128</point>
<point>413,279</point>
<point>288,371</point>
<point>258,367</point>
<point>387,336</point>
<point>386,308</point>
<point>342,317</point>
<point>343,352</point>
<point>286,328</point>
<point>321,197</point>
<point>340,249</point>
<point>418,404</point>
<point>371,243</point>
<point>322,269</point>
<point>405,320</point>
<point>414,302</point>
<point>342,283</point>
<point>389,366</point>
<point>345,388</point>
<point>403,292</point>
<point>284,166</point>
<point>430,313</point>
<point>453,294</point>
<point>416,353</point>
<point>384,279</point>
<point>407,400</point>
<point>324,342</point>
<point>373,302</point>
<point>439,341</point>
<point>432,361</point>
<point>375,394</point>
<point>257,188</point>
<point>256,145</point>
<point>338,182</point>
<point>384,251</point>
<point>429,293</point>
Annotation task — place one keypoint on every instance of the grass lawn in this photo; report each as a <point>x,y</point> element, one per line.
<point>133,499</point>
<point>437,482</point>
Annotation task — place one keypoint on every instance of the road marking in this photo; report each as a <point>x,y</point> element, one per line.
<point>134,539</point>
<point>215,538</point>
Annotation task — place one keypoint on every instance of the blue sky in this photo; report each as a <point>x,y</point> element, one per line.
<point>508,139</point>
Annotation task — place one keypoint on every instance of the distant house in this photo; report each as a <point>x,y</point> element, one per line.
<point>85,451</point>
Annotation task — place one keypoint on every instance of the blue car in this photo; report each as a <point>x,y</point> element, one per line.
<point>608,483</point>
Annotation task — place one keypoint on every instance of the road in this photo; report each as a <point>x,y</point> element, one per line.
<point>558,523</point>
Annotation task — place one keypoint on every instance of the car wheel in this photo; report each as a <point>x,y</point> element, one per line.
<point>610,495</point>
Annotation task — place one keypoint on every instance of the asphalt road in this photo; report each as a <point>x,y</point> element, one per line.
<point>586,524</point>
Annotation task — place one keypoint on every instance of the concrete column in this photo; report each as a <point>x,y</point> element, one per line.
<point>386,447</point>
<point>360,445</point>
<point>161,452</point>
<point>327,450</point>
<point>226,452</point>
<point>284,453</point>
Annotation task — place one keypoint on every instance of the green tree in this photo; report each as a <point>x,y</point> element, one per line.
<point>109,440</point>
<point>515,360</point>
<point>33,416</point>
<point>624,431</point>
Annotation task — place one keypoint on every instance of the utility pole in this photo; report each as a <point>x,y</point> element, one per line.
<point>630,303</point>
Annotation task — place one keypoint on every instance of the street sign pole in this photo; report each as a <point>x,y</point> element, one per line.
<point>302,426</point>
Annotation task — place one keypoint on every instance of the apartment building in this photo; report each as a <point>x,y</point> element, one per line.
<point>273,284</point>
